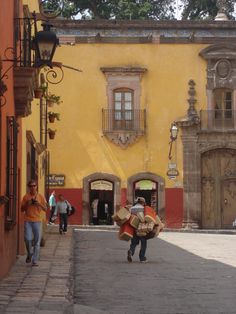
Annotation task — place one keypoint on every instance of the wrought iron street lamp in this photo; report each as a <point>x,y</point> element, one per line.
<point>45,43</point>
<point>173,132</point>
<point>173,136</point>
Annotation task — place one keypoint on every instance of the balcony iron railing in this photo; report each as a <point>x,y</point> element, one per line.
<point>23,43</point>
<point>11,175</point>
<point>218,120</point>
<point>124,120</point>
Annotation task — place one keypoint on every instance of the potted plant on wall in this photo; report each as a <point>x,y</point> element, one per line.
<point>53,99</point>
<point>51,133</point>
<point>38,92</point>
<point>53,115</point>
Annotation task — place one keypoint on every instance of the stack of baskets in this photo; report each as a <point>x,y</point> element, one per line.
<point>143,223</point>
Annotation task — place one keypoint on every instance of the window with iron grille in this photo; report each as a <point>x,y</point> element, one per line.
<point>11,175</point>
<point>123,120</point>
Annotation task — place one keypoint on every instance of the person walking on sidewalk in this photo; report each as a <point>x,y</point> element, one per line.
<point>138,207</point>
<point>63,208</point>
<point>32,204</point>
<point>52,207</point>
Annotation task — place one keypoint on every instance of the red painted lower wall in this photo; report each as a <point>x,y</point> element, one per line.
<point>74,197</point>
<point>123,197</point>
<point>174,207</point>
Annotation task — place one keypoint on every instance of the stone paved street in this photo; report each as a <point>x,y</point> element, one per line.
<point>187,273</point>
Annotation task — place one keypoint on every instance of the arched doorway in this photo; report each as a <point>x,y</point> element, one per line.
<point>101,199</point>
<point>149,190</point>
<point>151,187</point>
<point>105,189</point>
<point>218,188</point>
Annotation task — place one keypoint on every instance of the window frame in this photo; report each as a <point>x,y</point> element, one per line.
<point>123,123</point>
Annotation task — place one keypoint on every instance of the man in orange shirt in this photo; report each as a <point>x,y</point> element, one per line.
<point>32,204</point>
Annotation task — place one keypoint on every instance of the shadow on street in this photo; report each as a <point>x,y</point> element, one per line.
<point>174,281</point>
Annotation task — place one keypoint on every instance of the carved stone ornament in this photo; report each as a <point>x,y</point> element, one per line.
<point>222,10</point>
<point>123,139</point>
<point>223,68</point>
<point>222,6</point>
<point>230,172</point>
<point>192,113</point>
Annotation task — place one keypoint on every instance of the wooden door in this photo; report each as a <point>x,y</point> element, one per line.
<point>210,185</point>
<point>218,188</point>
<point>228,202</point>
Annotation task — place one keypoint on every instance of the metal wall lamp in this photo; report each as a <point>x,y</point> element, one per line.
<point>173,137</point>
<point>44,43</point>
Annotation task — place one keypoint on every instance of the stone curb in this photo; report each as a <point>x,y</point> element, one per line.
<point>116,228</point>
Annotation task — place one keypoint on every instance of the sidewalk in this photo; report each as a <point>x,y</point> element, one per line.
<point>45,289</point>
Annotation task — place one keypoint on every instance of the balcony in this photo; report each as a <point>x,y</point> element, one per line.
<point>127,120</point>
<point>123,127</point>
<point>218,120</point>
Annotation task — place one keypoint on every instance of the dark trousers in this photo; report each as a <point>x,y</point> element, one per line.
<point>63,222</point>
<point>134,242</point>
<point>52,212</point>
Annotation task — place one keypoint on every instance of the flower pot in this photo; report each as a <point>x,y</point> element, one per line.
<point>51,135</point>
<point>51,118</point>
<point>38,93</point>
<point>50,103</point>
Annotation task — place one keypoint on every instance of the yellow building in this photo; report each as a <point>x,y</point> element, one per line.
<point>113,141</point>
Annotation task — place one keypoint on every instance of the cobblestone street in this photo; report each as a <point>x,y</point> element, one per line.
<point>186,273</point>
<point>86,272</point>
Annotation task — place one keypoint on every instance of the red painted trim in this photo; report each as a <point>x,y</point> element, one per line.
<point>174,207</point>
<point>74,197</point>
<point>123,197</point>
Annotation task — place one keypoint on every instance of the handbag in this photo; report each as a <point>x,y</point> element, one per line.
<point>67,208</point>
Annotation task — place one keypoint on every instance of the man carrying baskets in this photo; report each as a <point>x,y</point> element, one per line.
<point>138,210</point>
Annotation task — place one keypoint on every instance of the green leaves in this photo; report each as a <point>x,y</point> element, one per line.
<point>120,9</point>
<point>141,9</point>
<point>205,9</point>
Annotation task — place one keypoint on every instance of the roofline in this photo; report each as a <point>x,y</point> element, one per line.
<point>141,24</point>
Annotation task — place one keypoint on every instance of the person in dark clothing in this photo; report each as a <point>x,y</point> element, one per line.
<point>63,208</point>
<point>138,207</point>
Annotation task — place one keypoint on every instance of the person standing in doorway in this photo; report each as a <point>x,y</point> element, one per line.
<point>32,204</point>
<point>52,207</point>
<point>63,207</point>
<point>94,207</point>
<point>139,205</point>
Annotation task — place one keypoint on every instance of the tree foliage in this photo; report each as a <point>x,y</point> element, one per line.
<point>205,9</point>
<point>120,9</point>
<point>138,9</point>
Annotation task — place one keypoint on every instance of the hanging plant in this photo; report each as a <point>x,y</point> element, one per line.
<point>53,115</point>
<point>38,92</point>
<point>53,99</point>
<point>51,133</point>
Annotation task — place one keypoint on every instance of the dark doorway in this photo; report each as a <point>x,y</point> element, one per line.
<point>101,202</point>
<point>147,189</point>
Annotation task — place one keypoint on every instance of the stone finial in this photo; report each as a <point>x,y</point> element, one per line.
<point>222,9</point>
<point>192,113</point>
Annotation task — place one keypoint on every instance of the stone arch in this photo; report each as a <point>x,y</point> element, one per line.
<point>85,196</point>
<point>148,176</point>
<point>216,146</point>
